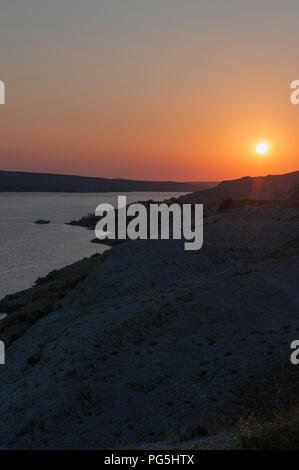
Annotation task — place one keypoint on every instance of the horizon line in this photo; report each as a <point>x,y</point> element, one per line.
<point>111,178</point>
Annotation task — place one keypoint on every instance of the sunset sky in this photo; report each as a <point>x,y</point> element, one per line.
<point>149,89</point>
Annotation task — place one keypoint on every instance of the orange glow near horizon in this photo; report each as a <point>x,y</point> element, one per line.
<point>124,95</point>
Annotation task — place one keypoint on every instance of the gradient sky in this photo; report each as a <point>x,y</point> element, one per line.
<point>149,89</point>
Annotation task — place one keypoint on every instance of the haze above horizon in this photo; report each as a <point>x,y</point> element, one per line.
<point>160,90</point>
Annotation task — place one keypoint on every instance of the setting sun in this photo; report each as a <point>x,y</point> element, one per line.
<point>262,148</point>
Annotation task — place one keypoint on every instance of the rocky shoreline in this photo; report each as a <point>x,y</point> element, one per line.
<point>148,343</point>
<point>130,346</point>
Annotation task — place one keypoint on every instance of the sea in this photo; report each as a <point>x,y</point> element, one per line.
<point>29,251</point>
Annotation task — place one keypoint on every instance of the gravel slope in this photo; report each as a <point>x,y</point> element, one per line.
<point>155,337</point>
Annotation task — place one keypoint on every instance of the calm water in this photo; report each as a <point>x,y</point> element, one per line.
<point>28,250</point>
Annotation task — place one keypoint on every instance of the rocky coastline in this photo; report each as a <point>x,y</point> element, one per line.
<point>148,343</point>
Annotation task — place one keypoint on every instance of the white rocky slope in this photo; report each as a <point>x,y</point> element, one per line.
<point>155,337</point>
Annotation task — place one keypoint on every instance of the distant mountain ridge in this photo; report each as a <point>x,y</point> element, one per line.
<point>260,187</point>
<point>15,181</point>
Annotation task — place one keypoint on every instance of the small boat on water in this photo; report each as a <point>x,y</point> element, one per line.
<point>42,222</point>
